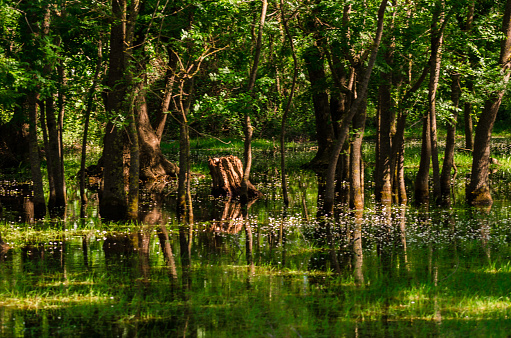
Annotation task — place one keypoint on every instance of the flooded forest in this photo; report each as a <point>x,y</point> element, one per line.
<point>256,168</point>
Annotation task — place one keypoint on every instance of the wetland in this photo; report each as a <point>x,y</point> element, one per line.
<point>272,271</point>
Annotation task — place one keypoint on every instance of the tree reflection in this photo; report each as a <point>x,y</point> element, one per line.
<point>358,255</point>
<point>166,248</point>
<point>401,219</point>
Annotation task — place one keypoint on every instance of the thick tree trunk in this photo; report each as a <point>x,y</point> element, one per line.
<point>324,127</point>
<point>113,203</point>
<point>450,141</point>
<point>227,175</point>
<point>153,163</point>
<point>478,191</point>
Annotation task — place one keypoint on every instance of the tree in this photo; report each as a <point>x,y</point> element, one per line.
<point>248,129</point>
<point>429,148</point>
<point>478,190</point>
<point>113,203</point>
<point>287,107</point>
<point>357,104</point>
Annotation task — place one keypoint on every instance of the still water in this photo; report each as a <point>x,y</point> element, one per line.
<point>399,272</point>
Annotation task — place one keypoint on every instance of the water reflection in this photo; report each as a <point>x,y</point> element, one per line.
<point>166,249</point>
<point>358,254</point>
<point>263,271</point>
<point>16,198</point>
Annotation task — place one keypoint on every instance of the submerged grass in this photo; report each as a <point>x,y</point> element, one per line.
<point>443,283</point>
<point>420,273</point>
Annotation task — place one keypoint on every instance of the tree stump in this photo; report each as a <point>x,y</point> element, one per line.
<point>227,175</point>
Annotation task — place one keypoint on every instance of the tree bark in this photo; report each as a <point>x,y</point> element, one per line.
<point>478,191</point>
<point>227,175</point>
<point>153,163</point>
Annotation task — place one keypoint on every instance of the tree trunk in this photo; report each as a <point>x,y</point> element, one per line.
<point>467,115</point>
<point>153,163</point>
<point>324,127</point>
<point>398,149</point>
<point>478,191</point>
<point>35,163</point>
<point>113,203</point>
<point>450,141</point>
<point>383,181</point>
<point>286,109</point>
<point>386,126</point>
<point>356,105</point>
<point>421,188</point>
<point>437,34</point>
<point>356,170</point>
<point>90,101</point>
<point>57,203</point>
<point>49,159</point>
<point>134,170</point>
<point>227,175</point>
<point>398,159</point>
<point>248,130</point>
<point>170,75</point>
<point>467,109</point>
<point>429,149</point>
